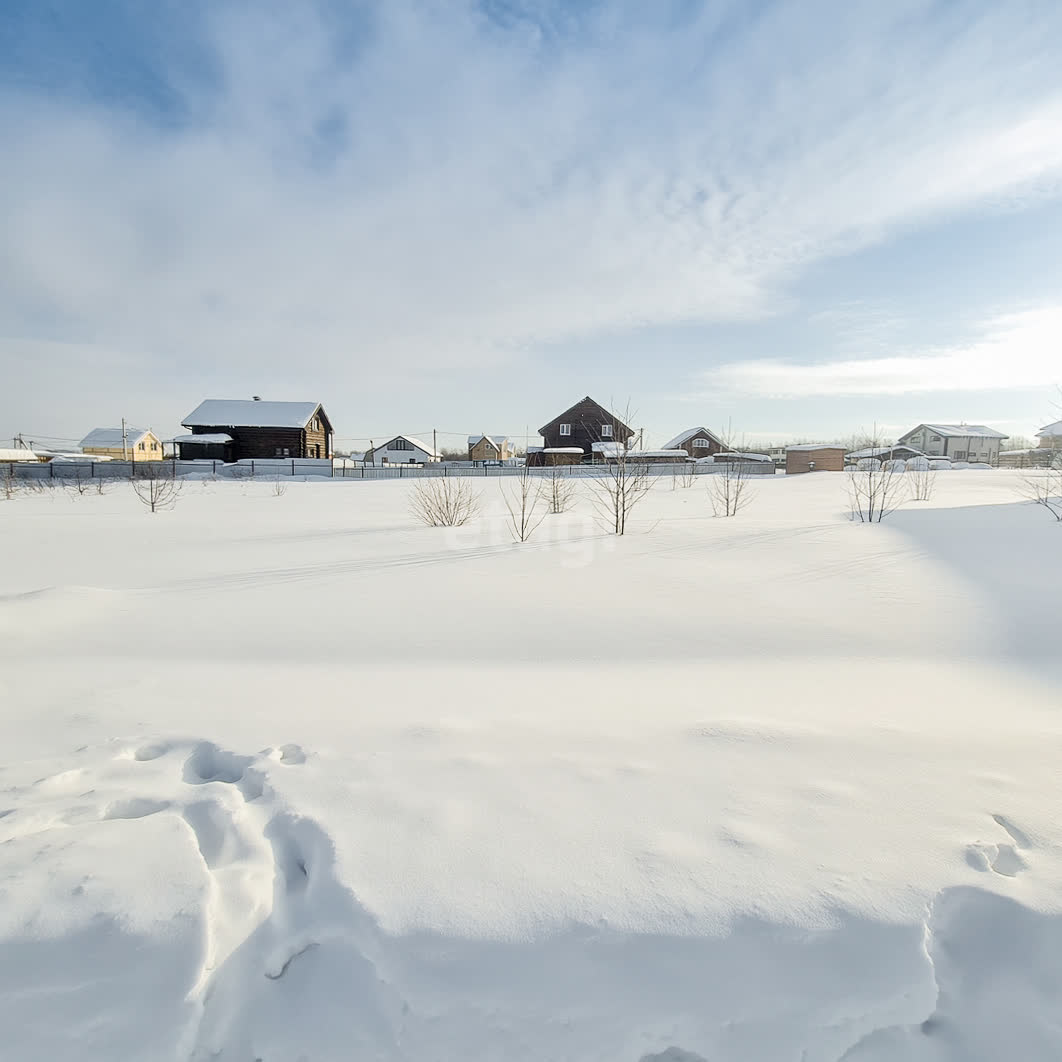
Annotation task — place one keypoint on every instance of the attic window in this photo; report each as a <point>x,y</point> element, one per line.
<point>606,431</point>
<point>401,444</point>
<point>700,444</point>
<point>565,429</point>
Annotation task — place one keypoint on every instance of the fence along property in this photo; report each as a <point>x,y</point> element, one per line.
<point>340,469</point>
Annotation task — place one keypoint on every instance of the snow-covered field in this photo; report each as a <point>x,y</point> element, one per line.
<point>294,777</point>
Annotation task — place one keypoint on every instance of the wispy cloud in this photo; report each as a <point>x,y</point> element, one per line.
<point>400,184</point>
<point>1013,351</point>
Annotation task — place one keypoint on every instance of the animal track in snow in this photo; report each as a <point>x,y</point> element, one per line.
<point>151,752</point>
<point>208,763</point>
<point>1001,858</point>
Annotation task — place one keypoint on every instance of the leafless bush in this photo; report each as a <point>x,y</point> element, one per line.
<point>875,492</point>
<point>1045,488</point>
<point>156,487</point>
<point>10,484</point>
<point>524,503</point>
<point>622,483</point>
<point>79,483</point>
<point>280,488</point>
<point>684,475</point>
<point>729,488</point>
<point>920,482</point>
<point>558,491</point>
<point>444,501</point>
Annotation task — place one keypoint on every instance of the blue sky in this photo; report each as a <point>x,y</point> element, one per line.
<point>800,220</point>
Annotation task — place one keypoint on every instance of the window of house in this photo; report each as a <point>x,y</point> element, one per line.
<point>936,438</point>
<point>280,452</point>
<point>606,431</point>
<point>154,446</point>
<point>960,455</point>
<point>141,446</point>
<point>700,444</point>
<point>565,429</point>
<point>401,444</point>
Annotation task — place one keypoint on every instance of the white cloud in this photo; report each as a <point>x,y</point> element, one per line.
<point>444,187</point>
<point>1014,351</point>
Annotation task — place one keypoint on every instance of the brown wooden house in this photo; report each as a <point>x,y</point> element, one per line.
<point>257,429</point>
<point>697,442</point>
<point>585,423</point>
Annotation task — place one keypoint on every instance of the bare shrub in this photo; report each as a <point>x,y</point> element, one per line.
<point>558,491</point>
<point>524,503</point>
<point>1045,488</point>
<point>444,501</point>
<point>684,475</point>
<point>156,486</point>
<point>875,492</point>
<point>921,482</point>
<point>10,484</point>
<point>729,488</point>
<point>623,481</point>
<point>279,488</point>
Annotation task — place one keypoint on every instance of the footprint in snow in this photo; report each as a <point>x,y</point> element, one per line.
<point>1002,858</point>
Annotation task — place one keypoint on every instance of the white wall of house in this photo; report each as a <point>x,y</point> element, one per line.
<point>954,447</point>
<point>400,456</point>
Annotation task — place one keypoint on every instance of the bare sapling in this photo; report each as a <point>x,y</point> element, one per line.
<point>729,488</point>
<point>558,491</point>
<point>1045,488</point>
<point>156,486</point>
<point>444,501</point>
<point>279,488</point>
<point>623,482</point>
<point>9,482</point>
<point>524,503</point>
<point>875,491</point>
<point>920,482</point>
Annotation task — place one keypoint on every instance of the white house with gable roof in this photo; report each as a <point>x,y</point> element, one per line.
<point>401,450</point>
<point>956,442</point>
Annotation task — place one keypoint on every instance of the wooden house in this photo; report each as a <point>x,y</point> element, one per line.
<point>118,444</point>
<point>585,423</point>
<point>813,457</point>
<point>883,453</point>
<point>697,442</point>
<point>489,448</point>
<point>241,430</point>
<point>402,450</point>
<point>956,442</point>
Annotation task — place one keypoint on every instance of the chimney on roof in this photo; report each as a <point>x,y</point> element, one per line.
<point>256,398</point>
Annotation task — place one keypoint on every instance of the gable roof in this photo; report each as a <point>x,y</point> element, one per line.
<point>247,413</point>
<point>1050,430</point>
<point>882,451</point>
<point>960,431</point>
<point>111,438</point>
<point>495,440</point>
<point>604,415</point>
<point>684,437</point>
<point>413,440</point>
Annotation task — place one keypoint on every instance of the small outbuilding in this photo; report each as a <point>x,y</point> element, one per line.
<point>210,446</point>
<point>813,457</point>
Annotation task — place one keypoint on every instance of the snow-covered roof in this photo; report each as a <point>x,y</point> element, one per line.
<point>743,457</point>
<point>610,449</point>
<point>215,438</point>
<point>880,451</point>
<point>534,449</point>
<point>495,440</point>
<point>689,433</point>
<point>563,450</point>
<point>18,454</point>
<point>1050,430</point>
<point>409,439</point>
<point>678,455</point>
<point>111,438</point>
<point>241,413</point>
<point>814,446</point>
<point>961,431</point>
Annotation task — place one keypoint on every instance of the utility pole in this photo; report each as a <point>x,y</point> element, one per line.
<point>434,442</point>
<point>125,449</point>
